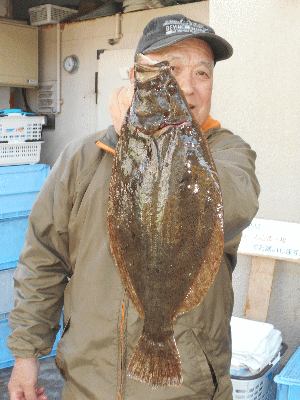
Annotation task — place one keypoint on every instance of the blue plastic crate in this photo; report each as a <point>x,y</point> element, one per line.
<point>19,186</point>
<point>6,290</point>
<point>288,381</point>
<point>12,237</point>
<point>6,360</point>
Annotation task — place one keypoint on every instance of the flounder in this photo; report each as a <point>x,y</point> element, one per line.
<point>165,218</point>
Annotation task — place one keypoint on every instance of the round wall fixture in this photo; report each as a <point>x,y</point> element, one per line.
<point>71,64</point>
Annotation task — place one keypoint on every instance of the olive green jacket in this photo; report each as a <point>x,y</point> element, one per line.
<point>66,262</point>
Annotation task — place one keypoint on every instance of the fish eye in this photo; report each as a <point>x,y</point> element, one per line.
<point>172,87</point>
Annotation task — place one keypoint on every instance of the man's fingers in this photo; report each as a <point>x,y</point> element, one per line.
<point>26,394</point>
<point>130,92</point>
<point>113,97</point>
<point>17,394</point>
<point>118,103</point>
<point>113,104</point>
<point>118,90</point>
<point>40,393</point>
<point>34,393</point>
<point>30,393</point>
<point>23,380</point>
<point>121,96</point>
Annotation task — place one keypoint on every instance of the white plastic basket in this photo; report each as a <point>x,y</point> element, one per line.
<point>48,14</point>
<point>257,387</point>
<point>19,128</point>
<point>20,153</point>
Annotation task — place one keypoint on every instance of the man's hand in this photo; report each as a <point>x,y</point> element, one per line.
<point>118,104</point>
<point>23,380</point>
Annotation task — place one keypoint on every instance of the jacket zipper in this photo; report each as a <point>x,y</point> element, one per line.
<point>122,324</point>
<point>66,326</point>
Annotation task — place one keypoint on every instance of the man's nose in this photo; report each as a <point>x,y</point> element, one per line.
<point>186,83</point>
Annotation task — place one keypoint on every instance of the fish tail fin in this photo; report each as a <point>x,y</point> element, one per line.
<point>156,363</point>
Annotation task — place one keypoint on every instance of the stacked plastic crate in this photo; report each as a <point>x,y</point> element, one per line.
<point>20,137</point>
<point>288,381</point>
<point>21,179</point>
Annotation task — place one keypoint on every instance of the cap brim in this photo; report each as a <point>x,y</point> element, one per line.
<point>220,47</point>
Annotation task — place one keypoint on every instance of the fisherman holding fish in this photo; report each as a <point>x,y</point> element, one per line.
<point>135,233</point>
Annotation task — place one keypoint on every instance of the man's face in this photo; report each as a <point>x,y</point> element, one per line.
<point>192,64</point>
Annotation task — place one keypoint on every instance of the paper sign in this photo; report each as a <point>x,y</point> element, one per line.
<point>275,239</point>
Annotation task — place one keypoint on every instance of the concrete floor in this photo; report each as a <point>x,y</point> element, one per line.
<point>49,377</point>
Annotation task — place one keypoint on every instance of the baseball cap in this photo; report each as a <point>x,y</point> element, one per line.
<point>164,31</point>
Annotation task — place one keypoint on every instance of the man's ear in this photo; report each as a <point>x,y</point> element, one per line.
<point>131,75</point>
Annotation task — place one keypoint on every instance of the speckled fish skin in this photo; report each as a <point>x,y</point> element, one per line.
<point>165,218</point>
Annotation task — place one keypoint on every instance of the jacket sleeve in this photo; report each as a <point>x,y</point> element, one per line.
<point>235,163</point>
<point>44,265</point>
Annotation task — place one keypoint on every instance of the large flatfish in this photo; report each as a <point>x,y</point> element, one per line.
<point>165,218</point>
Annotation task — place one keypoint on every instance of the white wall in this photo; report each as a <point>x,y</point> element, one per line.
<point>256,95</point>
<point>261,84</point>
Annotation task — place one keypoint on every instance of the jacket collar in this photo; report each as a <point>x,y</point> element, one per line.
<point>109,141</point>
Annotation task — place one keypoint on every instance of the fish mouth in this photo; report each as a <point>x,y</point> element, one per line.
<point>165,126</point>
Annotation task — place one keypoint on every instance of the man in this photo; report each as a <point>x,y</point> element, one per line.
<point>66,260</point>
